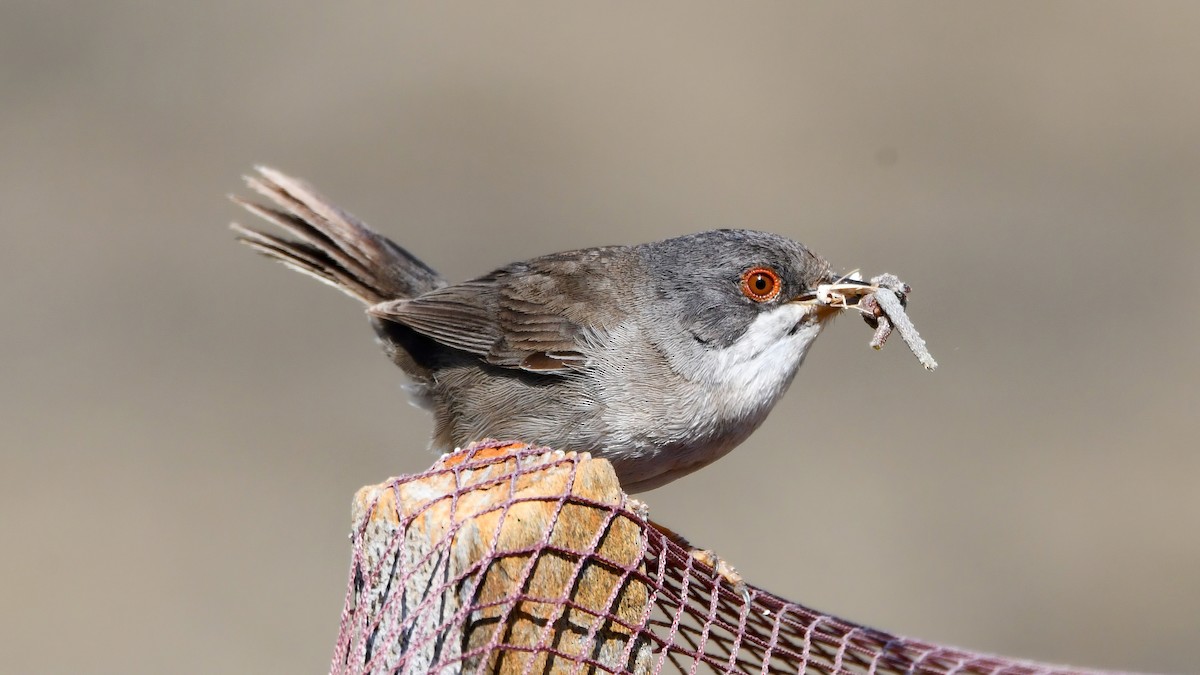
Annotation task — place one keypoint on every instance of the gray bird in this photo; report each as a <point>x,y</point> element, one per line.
<point>659,357</point>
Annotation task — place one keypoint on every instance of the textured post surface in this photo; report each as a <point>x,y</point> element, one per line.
<point>520,561</point>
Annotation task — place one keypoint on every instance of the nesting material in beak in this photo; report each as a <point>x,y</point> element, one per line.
<point>881,303</point>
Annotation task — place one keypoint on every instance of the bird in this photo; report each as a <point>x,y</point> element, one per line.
<point>658,357</point>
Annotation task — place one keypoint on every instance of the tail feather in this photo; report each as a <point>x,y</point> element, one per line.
<point>331,245</point>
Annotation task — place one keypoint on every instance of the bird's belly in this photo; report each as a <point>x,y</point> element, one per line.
<point>697,427</point>
<point>665,463</point>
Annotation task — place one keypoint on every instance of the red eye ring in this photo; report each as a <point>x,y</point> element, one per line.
<point>761,284</point>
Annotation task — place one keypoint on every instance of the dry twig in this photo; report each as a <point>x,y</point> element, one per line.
<point>882,305</point>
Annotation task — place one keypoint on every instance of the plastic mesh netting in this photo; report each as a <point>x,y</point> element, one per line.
<point>503,558</point>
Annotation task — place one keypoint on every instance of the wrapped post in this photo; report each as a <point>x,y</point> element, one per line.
<point>507,559</point>
<point>498,559</point>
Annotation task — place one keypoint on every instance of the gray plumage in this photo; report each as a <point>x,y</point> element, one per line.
<point>651,356</point>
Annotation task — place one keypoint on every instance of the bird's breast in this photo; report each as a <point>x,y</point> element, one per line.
<point>672,409</point>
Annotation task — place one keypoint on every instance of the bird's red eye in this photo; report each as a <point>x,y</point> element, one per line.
<point>761,284</point>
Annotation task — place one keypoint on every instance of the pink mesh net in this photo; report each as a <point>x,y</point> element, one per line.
<point>503,558</point>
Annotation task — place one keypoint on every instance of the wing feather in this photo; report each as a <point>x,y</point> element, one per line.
<point>537,316</point>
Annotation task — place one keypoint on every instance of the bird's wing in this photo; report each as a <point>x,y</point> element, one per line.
<point>537,316</point>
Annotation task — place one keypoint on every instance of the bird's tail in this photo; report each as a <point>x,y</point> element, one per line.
<point>330,244</point>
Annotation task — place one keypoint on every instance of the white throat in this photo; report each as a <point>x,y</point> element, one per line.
<point>754,372</point>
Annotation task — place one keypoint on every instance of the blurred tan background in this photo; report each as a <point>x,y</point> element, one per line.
<point>184,423</point>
